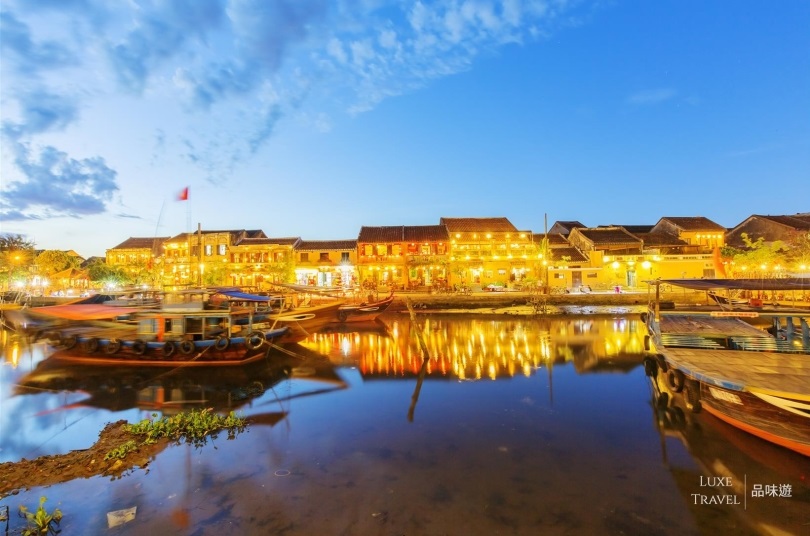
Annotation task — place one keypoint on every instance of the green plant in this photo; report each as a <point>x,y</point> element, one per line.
<point>119,453</point>
<point>195,426</point>
<point>41,522</point>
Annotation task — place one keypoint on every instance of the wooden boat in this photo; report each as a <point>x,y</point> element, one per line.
<point>735,462</point>
<point>728,302</point>
<point>364,312</point>
<point>302,317</point>
<point>185,330</point>
<point>739,373</point>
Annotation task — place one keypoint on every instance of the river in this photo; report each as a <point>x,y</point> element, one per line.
<point>515,425</point>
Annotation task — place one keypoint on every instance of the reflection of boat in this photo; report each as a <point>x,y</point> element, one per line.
<point>144,387</point>
<point>737,372</point>
<point>730,467</point>
<point>363,312</point>
<point>182,388</point>
<point>375,326</point>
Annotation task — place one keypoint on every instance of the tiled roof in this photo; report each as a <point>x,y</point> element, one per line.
<point>573,254</point>
<point>554,239</point>
<point>569,225</point>
<point>133,242</point>
<point>660,239</point>
<point>609,235</point>
<point>634,229</point>
<point>426,233</point>
<point>697,223</point>
<point>403,233</point>
<point>478,225</point>
<point>326,245</point>
<point>285,241</point>
<point>236,235</point>
<point>798,222</point>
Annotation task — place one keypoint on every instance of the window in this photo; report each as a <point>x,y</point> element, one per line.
<point>344,256</point>
<point>324,257</point>
<point>209,249</point>
<point>396,250</point>
<point>305,257</point>
<point>382,249</point>
<point>221,249</point>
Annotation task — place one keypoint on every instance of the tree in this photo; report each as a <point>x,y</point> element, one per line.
<point>101,273</point>
<point>16,258</point>
<point>52,261</point>
<point>799,253</point>
<point>759,258</point>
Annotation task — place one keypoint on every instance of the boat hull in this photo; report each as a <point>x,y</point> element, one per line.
<point>364,312</point>
<point>762,418</point>
<point>100,351</point>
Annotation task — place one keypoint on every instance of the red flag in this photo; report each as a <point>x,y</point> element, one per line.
<point>183,195</point>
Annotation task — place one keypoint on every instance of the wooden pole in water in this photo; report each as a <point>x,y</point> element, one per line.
<point>425,360</point>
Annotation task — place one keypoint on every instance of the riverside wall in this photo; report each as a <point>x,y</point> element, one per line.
<point>426,302</point>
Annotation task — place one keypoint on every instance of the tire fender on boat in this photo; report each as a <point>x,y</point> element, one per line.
<point>69,341</point>
<point>222,343</point>
<point>254,340</point>
<point>169,349</point>
<point>342,315</point>
<point>92,345</point>
<point>54,337</point>
<point>675,379</point>
<point>646,343</point>
<point>650,367</point>
<point>139,347</point>
<point>186,347</point>
<point>112,347</point>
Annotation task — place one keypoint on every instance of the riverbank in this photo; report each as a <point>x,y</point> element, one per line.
<point>520,303</point>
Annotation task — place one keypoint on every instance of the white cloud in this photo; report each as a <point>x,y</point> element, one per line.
<point>652,96</point>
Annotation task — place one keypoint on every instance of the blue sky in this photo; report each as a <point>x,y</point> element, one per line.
<point>313,118</point>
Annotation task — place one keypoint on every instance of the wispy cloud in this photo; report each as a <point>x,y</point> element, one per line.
<point>652,96</point>
<point>255,60</point>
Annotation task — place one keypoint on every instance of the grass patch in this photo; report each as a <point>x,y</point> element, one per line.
<point>195,426</point>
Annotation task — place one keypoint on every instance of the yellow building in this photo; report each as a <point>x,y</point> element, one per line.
<point>326,263</point>
<point>403,257</point>
<point>488,251</point>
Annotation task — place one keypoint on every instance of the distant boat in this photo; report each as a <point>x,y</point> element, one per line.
<point>364,312</point>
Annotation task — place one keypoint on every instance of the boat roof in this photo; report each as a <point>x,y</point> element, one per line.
<point>83,311</point>
<point>244,296</point>
<point>782,283</point>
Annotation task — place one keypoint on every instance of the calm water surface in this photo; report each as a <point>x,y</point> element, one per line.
<point>514,426</point>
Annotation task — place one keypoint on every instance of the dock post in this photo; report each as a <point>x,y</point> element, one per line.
<point>805,332</point>
<point>789,328</point>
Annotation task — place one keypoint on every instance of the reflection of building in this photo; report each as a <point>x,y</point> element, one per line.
<point>477,348</point>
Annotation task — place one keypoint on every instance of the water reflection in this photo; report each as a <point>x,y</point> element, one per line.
<point>523,426</point>
<point>473,349</point>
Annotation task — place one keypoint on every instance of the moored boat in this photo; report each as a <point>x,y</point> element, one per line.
<point>364,312</point>
<point>741,374</point>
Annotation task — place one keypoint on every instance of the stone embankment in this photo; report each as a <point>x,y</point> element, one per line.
<point>524,302</point>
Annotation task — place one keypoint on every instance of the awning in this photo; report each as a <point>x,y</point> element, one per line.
<point>785,283</point>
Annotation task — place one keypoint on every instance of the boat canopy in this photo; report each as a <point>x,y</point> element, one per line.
<point>244,296</point>
<point>784,283</point>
